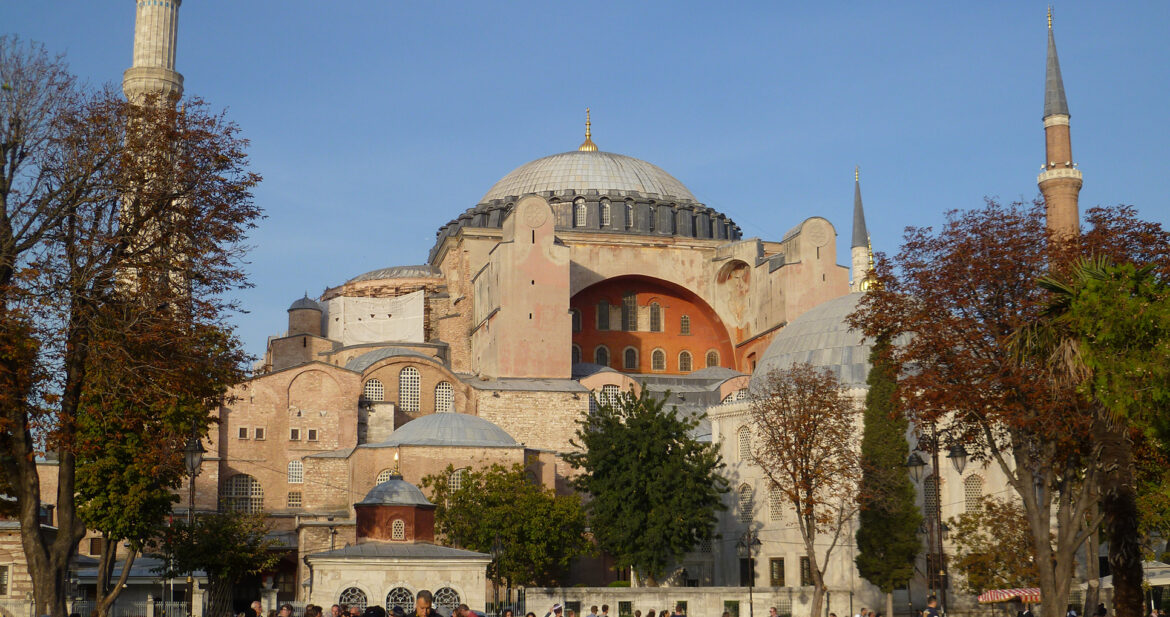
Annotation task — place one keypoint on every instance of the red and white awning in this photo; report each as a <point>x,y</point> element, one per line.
<point>1027,595</point>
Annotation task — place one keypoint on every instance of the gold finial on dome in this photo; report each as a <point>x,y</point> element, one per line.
<point>1049,16</point>
<point>588,145</point>
<point>857,173</point>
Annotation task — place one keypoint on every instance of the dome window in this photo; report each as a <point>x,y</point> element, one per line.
<point>579,212</point>
<point>606,217</point>
<point>601,355</point>
<point>630,359</point>
<point>629,215</point>
<point>684,362</point>
<point>658,360</point>
<point>712,358</point>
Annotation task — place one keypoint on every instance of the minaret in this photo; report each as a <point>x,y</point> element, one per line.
<point>156,27</point>
<point>862,263</point>
<point>1060,182</point>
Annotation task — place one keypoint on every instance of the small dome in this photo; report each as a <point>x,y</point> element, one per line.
<point>449,429</point>
<point>305,303</point>
<point>822,338</point>
<point>581,171</point>
<point>398,272</point>
<point>395,492</point>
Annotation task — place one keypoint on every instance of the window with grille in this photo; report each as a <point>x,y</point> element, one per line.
<point>658,360</point>
<point>744,440</point>
<point>776,572</point>
<point>603,315</point>
<point>398,529</point>
<point>805,572</point>
<point>610,394</point>
<point>579,213</point>
<point>575,315</point>
<point>243,434</point>
<point>455,480</point>
<point>775,504</point>
<point>973,493</point>
<point>707,545</point>
<point>930,493</point>
<point>625,608</point>
<point>384,476</point>
<point>4,580</point>
<point>373,391</point>
<point>446,600</point>
<point>294,434</point>
<point>745,503</point>
<point>409,383</point>
<point>444,397</point>
<point>576,355</point>
<point>631,358</point>
<point>601,355</point>
<point>684,362</point>
<point>400,597</point>
<point>629,215</point>
<point>296,472</point>
<point>712,358</point>
<point>243,493</point>
<point>655,317</point>
<point>606,218</point>
<point>294,499</point>
<point>352,596</point>
<point>258,433</point>
<point>653,215</point>
<point>684,324</point>
<point>630,312</point>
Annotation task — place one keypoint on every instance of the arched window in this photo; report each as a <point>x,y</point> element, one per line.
<point>575,316</point>
<point>630,312</point>
<point>408,388</point>
<point>576,358</point>
<point>712,358</point>
<point>603,315</point>
<point>606,218</point>
<point>579,212</point>
<point>744,440</point>
<point>455,480</point>
<point>658,360</point>
<point>629,215</point>
<point>655,317</point>
<point>930,493</point>
<point>684,324</point>
<point>296,472</point>
<point>384,476</point>
<point>400,597</point>
<point>653,215</point>
<point>630,360</point>
<point>775,504</point>
<point>373,391</point>
<point>444,397</point>
<point>353,596</point>
<point>446,601</point>
<point>973,493</point>
<point>243,493</point>
<point>601,355</point>
<point>610,394</point>
<point>684,362</point>
<point>746,496</point>
<point>398,529</point>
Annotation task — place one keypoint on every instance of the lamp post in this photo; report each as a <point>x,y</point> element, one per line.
<point>957,454</point>
<point>193,457</point>
<point>748,546</point>
<point>497,552</point>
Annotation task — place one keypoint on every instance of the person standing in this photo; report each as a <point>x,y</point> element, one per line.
<point>422,604</point>
<point>593,611</point>
<point>931,607</point>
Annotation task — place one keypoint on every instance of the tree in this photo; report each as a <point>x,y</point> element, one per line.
<point>654,489</point>
<point>227,547</point>
<point>993,547</point>
<point>116,219</point>
<point>888,519</point>
<point>807,427</point>
<point>535,531</point>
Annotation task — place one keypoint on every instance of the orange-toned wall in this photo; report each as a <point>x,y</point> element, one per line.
<point>707,331</point>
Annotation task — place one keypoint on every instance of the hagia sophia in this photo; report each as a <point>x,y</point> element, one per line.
<point>581,274</point>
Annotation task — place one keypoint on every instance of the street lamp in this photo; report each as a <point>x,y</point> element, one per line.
<point>193,457</point>
<point>936,530</point>
<point>747,547</point>
<point>497,551</point>
<point>958,456</point>
<point>915,464</point>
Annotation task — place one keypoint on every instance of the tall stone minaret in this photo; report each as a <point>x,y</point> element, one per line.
<point>1060,182</point>
<point>156,29</point>
<point>860,248</point>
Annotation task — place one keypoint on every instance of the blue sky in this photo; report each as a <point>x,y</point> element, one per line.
<point>375,122</point>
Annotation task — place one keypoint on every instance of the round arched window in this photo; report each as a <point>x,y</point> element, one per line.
<point>398,529</point>
<point>446,600</point>
<point>353,596</point>
<point>400,597</point>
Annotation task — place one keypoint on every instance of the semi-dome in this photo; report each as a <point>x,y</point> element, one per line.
<point>449,429</point>
<point>822,338</point>
<point>582,171</point>
<point>395,492</point>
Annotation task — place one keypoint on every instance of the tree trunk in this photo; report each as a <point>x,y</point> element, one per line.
<point>890,604</point>
<point>1119,503</point>
<point>219,597</point>
<point>106,599</point>
<point>1092,573</point>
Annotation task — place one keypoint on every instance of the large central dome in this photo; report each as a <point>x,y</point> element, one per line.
<point>581,171</point>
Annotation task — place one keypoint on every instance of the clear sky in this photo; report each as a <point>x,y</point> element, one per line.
<point>375,122</point>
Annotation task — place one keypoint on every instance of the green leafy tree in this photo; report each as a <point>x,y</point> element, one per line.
<point>654,488</point>
<point>533,532</point>
<point>888,520</point>
<point>993,547</point>
<point>227,547</point>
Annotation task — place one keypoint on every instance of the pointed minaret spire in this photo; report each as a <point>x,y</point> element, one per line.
<point>152,70</point>
<point>860,251</point>
<point>1060,181</point>
<point>588,145</point>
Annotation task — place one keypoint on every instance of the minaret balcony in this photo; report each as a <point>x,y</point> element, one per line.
<point>1059,172</point>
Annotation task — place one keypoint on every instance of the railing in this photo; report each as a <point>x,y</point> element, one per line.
<point>157,608</point>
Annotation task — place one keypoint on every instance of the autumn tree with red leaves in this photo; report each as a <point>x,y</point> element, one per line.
<point>121,231</point>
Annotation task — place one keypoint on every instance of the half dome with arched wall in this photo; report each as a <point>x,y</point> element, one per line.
<point>639,319</point>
